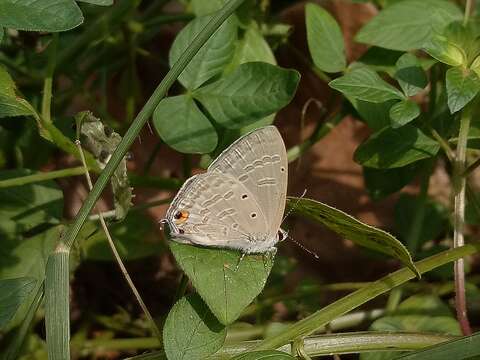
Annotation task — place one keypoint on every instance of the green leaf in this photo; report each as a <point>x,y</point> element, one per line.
<point>13,293</point>
<point>191,331</point>
<point>45,15</point>
<point>225,282</point>
<point>264,355</point>
<point>365,84</point>
<point>254,90</point>
<point>465,348</point>
<point>101,142</point>
<point>98,2</point>
<point>2,33</point>
<point>27,257</point>
<point>462,86</point>
<point>10,103</point>
<point>135,238</point>
<point>410,74</point>
<point>391,148</point>
<point>406,25</point>
<point>445,51</point>
<point>419,313</point>
<point>202,7</point>
<point>252,47</point>
<point>376,115</point>
<point>350,228</point>
<point>403,112</point>
<point>181,124</point>
<point>325,39</point>
<point>212,57</point>
<point>24,207</point>
<point>383,182</point>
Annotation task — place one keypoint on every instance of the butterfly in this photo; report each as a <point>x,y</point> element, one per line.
<point>238,203</point>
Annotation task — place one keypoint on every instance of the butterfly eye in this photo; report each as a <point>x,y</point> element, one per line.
<point>280,235</point>
<point>180,216</point>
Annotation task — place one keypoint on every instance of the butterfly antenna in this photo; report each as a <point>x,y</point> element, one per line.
<point>303,247</point>
<point>294,206</point>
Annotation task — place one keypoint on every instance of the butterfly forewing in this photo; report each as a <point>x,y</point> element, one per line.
<point>213,209</point>
<point>259,161</point>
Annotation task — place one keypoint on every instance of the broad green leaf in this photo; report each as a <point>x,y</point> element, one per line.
<point>202,7</point>
<point>403,112</point>
<point>365,84</point>
<point>467,347</point>
<point>13,293</point>
<point>101,142</point>
<point>264,355</point>
<point>24,207</point>
<point>27,257</point>
<point>391,148</point>
<point>225,282</point>
<point>406,25</point>
<point>410,75</point>
<point>462,86</point>
<point>181,124</point>
<point>445,51</point>
<point>254,90</point>
<point>45,15</point>
<point>325,39</point>
<point>476,66</point>
<point>2,33</point>
<point>350,228</point>
<point>212,57</point>
<point>98,2</point>
<point>135,238</point>
<point>252,47</point>
<point>380,59</point>
<point>10,103</point>
<point>376,115</point>
<point>434,222</point>
<point>383,182</point>
<point>419,313</point>
<point>191,331</point>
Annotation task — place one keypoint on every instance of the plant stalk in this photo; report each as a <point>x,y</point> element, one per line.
<point>459,185</point>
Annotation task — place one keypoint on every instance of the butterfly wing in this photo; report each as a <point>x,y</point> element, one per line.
<point>213,209</point>
<point>259,161</point>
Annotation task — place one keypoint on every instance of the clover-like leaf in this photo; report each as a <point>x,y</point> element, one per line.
<point>225,281</point>
<point>403,112</point>
<point>325,39</point>
<point>254,90</point>
<point>350,228</point>
<point>191,331</point>
<point>211,58</point>
<point>462,86</point>
<point>410,75</point>
<point>391,148</point>
<point>365,84</point>
<point>181,124</point>
<point>45,15</point>
<point>406,25</point>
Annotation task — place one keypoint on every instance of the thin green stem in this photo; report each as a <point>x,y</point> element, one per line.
<point>468,9</point>
<point>459,185</point>
<point>144,115</point>
<point>42,176</point>
<point>346,304</point>
<point>117,257</point>
<point>47,84</point>
<point>471,167</point>
<point>347,343</point>
<point>321,130</point>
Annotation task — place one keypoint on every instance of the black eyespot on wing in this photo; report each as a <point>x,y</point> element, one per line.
<point>282,169</point>
<point>178,215</point>
<point>181,231</point>
<point>244,196</point>
<point>253,215</point>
